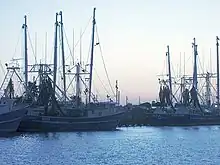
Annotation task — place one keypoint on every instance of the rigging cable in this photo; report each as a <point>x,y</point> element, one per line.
<point>97,91</point>
<point>188,60</point>
<point>51,55</point>
<point>173,70</point>
<point>2,68</point>
<point>80,37</point>
<point>17,44</point>
<point>200,66</point>
<point>71,53</point>
<point>97,35</point>
<point>101,82</point>
<point>86,86</point>
<point>71,84</point>
<point>87,60</point>
<point>32,48</point>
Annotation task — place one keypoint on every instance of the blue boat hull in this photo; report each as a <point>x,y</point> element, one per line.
<point>51,123</point>
<point>9,122</point>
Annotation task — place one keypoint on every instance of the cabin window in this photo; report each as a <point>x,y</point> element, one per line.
<point>93,111</point>
<point>4,102</point>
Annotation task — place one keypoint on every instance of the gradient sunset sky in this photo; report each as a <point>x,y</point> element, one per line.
<point>133,36</point>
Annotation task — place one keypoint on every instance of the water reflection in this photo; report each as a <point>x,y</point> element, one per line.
<point>141,145</point>
<point>50,135</point>
<point>9,135</point>
<point>79,134</point>
<point>42,135</point>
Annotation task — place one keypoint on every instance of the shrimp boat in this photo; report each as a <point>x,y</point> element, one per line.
<point>12,110</point>
<point>186,112</point>
<point>52,112</point>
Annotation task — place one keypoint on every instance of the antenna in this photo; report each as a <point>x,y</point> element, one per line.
<point>169,70</point>
<point>203,60</point>
<point>180,64</point>
<point>80,47</point>
<point>184,64</point>
<point>42,55</point>
<point>3,71</point>
<point>35,44</point>
<point>73,47</point>
<point>45,48</point>
<point>210,55</point>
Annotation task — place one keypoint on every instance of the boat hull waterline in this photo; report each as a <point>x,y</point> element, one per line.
<point>53,124</point>
<point>182,120</point>
<point>9,122</point>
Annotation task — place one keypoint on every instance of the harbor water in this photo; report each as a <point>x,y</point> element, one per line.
<point>126,146</point>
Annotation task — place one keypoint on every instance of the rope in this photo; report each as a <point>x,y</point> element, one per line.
<point>17,44</point>
<point>104,62</point>
<point>101,82</point>
<point>32,48</point>
<point>87,60</point>
<point>71,84</point>
<point>200,64</point>
<point>71,53</point>
<point>81,36</point>
<point>188,60</point>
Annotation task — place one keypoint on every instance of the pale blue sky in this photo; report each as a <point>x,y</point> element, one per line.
<point>133,34</point>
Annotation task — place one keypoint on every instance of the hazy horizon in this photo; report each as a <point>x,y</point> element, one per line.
<point>133,35</point>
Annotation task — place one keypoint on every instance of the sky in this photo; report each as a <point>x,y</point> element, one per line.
<point>133,36</point>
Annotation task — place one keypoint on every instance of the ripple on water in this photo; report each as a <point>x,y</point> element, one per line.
<point>129,146</point>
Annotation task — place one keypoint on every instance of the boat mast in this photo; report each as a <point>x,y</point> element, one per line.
<point>73,47</point>
<point>184,64</point>
<point>92,51</point>
<point>55,55</point>
<point>126,100</point>
<point>217,45</point>
<point>45,48</point>
<point>25,52</point>
<point>208,90</point>
<point>180,67</point>
<point>63,55</point>
<point>119,95</point>
<point>80,48</point>
<point>35,48</point>
<point>78,84</point>
<point>183,82</point>
<point>195,81</point>
<point>169,71</point>
<point>116,92</point>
